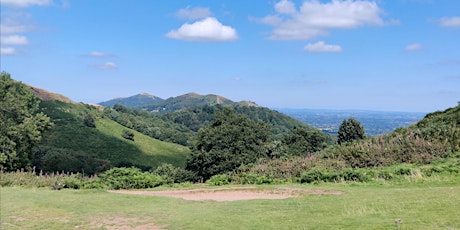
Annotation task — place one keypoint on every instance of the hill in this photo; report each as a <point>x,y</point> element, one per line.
<point>73,145</point>
<point>49,96</point>
<point>185,101</point>
<point>177,119</point>
<point>133,101</point>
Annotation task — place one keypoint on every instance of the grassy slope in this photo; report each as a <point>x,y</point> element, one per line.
<point>430,205</point>
<point>105,141</point>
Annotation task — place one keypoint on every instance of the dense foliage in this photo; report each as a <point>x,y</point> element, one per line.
<point>303,142</point>
<point>350,130</point>
<point>21,126</point>
<point>230,141</point>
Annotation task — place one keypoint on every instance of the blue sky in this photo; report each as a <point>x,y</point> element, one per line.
<point>393,55</point>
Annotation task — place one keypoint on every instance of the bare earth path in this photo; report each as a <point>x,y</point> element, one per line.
<point>231,193</point>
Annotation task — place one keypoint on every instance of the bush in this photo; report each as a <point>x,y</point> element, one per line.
<point>220,179</point>
<point>173,174</point>
<point>317,175</point>
<point>128,135</point>
<point>358,175</point>
<point>128,178</point>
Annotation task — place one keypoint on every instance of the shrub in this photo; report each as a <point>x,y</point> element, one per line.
<point>128,178</point>
<point>358,175</point>
<point>219,179</point>
<point>128,135</point>
<point>173,174</point>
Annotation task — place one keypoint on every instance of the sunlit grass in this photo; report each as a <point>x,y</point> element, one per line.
<point>361,206</point>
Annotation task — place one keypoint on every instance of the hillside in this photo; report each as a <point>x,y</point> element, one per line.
<point>72,145</point>
<point>185,101</point>
<point>133,101</point>
<point>177,119</point>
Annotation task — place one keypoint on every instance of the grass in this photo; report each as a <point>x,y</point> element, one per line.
<point>428,205</point>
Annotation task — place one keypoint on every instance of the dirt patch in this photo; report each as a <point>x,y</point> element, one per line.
<point>120,223</point>
<point>231,193</point>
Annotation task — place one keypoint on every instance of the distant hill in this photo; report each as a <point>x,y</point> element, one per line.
<point>133,101</point>
<point>186,101</point>
<point>157,105</point>
<point>176,119</point>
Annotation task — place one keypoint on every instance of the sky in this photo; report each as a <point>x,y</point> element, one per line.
<point>386,55</point>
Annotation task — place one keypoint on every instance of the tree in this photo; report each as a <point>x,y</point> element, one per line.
<point>350,130</point>
<point>21,126</point>
<point>127,134</point>
<point>302,142</point>
<point>89,120</point>
<point>228,142</point>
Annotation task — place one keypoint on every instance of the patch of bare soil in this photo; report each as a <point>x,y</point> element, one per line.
<point>231,193</point>
<point>120,223</point>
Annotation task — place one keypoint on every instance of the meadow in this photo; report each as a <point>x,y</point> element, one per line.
<point>415,203</point>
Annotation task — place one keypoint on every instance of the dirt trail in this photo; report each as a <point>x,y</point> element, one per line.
<point>231,193</point>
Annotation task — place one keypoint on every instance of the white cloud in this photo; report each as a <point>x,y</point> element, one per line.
<point>208,29</point>
<point>8,51</point>
<point>14,40</point>
<point>26,3</point>
<point>107,65</point>
<point>314,18</point>
<point>193,13</point>
<point>413,47</point>
<point>322,47</point>
<point>99,54</point>
<point>285,7</point>
<point>450,22</point>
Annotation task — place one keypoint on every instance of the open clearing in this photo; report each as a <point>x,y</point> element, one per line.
<point>422,205</point>
<point>232,193</point>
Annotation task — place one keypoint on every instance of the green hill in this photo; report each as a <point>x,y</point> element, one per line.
<point>176,119</point>
<point>185,101</point>
<point>72,145</point>
<point>133,101</point>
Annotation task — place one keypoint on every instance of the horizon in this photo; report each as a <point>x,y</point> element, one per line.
<point>394,56</point>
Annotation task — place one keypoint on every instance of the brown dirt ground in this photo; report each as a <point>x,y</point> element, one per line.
<point>231,193</point>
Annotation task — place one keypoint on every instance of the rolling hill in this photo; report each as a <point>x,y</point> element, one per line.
<point>132,101</point>
<point>176,119</point>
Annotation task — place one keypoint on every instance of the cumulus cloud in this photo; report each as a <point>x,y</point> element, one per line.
<point>322,47</point>
<point>208,29</point>
<point>7,51</point>
<point>450,22</point>
<point>314,18</point>
<point>107,65</point>
<point>14,40</point>
<point>193,13</point>
<point>285,7</point>
<point>26,3</point>
<point>413,47</point>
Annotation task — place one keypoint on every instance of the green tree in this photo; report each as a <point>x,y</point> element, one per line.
<point>21,127</point>
<point>127,134</point>
<point>302,141</point>
<point>350,130</point>
<point>230,141</point>
<point>89,120</point>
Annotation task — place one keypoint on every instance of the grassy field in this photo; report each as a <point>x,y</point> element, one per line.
<point>431,204</point>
